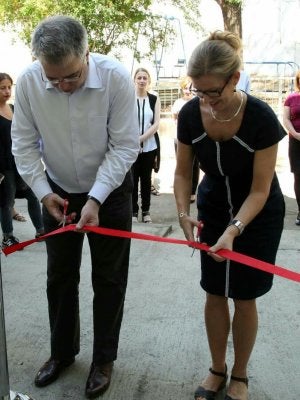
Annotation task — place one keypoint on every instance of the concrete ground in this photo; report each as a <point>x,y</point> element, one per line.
<point>163,352</point>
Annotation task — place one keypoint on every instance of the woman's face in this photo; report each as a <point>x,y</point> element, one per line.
<point>142,80</point>
<point>187,94</point>
<point>215,91</point>
<point>5,90</point>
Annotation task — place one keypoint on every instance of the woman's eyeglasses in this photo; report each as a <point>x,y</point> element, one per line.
<point>209,93</point>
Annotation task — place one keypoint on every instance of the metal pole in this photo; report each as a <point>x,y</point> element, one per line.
<point>4,380</point>
<point>5,393</point>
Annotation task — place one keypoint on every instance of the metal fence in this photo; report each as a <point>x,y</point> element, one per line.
<point>272,90</point>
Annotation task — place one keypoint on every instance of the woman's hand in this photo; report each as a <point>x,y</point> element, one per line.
<point>224,242</point>
<point>188,225</point>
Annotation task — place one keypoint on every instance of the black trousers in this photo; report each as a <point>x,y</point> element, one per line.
<point>142,171</point>
<point>110,260</point>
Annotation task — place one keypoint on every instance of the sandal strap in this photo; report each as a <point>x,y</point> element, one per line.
<point>222,374</point>
<point>243,380</point>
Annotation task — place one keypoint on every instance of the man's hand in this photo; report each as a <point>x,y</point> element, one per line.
<point>89,215</point>
<point>55,204</point>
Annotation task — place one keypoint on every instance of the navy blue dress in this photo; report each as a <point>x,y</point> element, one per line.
<point>228,168</point>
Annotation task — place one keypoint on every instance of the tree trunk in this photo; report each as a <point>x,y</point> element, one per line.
<point>232,16</point>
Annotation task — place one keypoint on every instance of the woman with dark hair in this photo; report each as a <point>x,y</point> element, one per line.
<point>235,138</point>
<point>12,180</point>
<point>291,120</point>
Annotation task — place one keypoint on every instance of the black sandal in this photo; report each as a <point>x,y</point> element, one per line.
<point>235,378</point>
<point>211,394</point>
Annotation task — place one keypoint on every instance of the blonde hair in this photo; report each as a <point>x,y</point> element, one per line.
<point>297,81</point>
<point>184,81</point>
<point>218,55</point>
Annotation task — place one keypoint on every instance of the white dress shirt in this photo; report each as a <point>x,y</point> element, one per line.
<point>87,140</point>
<point>145,114</point>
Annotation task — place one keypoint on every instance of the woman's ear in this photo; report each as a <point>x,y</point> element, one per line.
<point>236,77</point>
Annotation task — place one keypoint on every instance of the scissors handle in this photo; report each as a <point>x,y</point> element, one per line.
<point>199,228</point>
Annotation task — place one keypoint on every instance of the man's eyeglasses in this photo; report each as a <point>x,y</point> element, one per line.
<point>70,79</point>
<point>209,93</point>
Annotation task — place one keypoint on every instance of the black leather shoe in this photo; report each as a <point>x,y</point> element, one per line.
<point>50,371</point>
<point>99,379</point>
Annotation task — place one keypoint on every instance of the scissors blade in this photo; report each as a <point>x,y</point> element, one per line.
<point>64,220</point>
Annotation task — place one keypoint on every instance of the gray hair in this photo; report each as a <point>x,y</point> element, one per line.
<point>57,38</point>
<point>217,55</point>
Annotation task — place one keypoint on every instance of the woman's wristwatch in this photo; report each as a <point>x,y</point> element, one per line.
<point>239,224</point>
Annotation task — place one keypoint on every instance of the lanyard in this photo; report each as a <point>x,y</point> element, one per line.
<point>141,128</point>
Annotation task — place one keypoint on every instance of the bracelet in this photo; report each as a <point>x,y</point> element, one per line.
<point>183,214</point>
<point>95,200</point>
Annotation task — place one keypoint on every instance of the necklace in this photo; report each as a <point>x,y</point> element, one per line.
<point>234,115</point>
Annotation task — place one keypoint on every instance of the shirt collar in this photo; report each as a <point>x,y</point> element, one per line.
<point>93,79</point>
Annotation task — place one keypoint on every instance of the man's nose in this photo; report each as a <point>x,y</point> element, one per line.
<point>65,86</point>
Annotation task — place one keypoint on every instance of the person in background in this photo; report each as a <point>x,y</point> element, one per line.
<point>76,111</point>
<point>240,204</point>
<point>148,109</point>
<point>8,168</point>
<point>17,216</point>
<point>291,121</point>
<point>186,95</point>
<point>244,82</point>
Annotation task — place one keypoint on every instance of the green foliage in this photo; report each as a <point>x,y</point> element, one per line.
<point>111,24</point>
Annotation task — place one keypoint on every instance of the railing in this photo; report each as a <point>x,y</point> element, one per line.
<point>272,90</point>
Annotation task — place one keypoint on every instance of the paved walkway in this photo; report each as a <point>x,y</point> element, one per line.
<point>163,350</point>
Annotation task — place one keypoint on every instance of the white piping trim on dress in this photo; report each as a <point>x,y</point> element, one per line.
<point>219,158</point>
<point>227,278</point>
<point>204,134</point>
<point>242,143</point>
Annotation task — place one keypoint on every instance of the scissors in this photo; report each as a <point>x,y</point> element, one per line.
<point>197,236</point>
<point>64,220</point>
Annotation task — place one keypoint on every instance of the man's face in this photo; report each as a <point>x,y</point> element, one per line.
<point>67,76</point>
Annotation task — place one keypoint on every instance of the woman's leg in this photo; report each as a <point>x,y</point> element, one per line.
<point>34,210</point>
<point>217,322</point>
<point>147,160</point>
<point>297,188</point>
<point>6,211</point>
<point>244,330</point>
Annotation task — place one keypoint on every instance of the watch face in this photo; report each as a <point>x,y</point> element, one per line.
<point>238,224</point>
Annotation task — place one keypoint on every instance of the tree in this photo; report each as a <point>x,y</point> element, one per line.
<point>111,25</point>
<point>232,15</point>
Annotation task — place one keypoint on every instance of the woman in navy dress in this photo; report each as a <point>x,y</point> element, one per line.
<point>235,138</point>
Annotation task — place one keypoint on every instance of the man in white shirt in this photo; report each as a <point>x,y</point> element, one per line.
<point>75,137</point>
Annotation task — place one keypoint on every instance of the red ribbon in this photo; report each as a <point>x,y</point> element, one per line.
<point>231,255</point>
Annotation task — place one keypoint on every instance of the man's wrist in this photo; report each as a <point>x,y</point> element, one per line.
<point>46,197</point>
<point>95,200</point>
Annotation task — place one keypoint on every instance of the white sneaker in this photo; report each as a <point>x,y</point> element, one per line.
<point>147,219</point>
